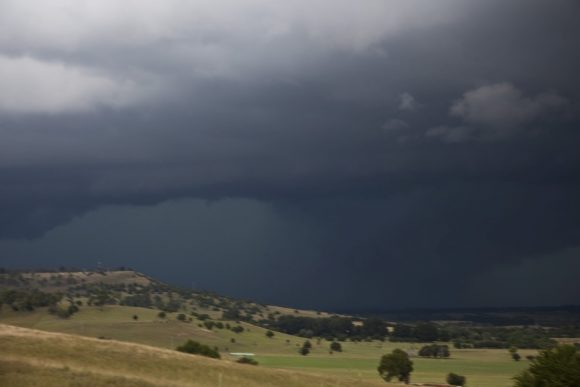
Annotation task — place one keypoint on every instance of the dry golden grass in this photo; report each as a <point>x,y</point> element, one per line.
<point>22,373</point>
<point>37,358</point>
<point>58,281</point>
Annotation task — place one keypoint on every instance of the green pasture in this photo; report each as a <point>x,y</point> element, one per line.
<point>483,368</point>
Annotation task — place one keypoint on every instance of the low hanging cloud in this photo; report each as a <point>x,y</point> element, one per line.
<point>496,112</point>
<point>503,106</point>
<point>28,85</point>
<point>407,102</point>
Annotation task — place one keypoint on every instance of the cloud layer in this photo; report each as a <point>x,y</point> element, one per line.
<point>498,112</point>
<point>425,138</point>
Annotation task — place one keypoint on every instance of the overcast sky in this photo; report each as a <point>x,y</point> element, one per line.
<point>326,153</point>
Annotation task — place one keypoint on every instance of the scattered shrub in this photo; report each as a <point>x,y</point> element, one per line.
<point>335,346</point>
<point>247,360</point>
<point>196,348</point>
<point>456,380</point>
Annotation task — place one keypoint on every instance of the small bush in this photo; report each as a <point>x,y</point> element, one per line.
<point>196,348</point>
<point>335,346</point>
<point>456,380</point>
<point>435,351</point>
<point>247,360</point>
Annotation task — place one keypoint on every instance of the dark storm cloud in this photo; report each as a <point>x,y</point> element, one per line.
<point>428,139</point>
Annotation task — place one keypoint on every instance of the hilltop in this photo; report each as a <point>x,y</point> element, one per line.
<point>132,288</point>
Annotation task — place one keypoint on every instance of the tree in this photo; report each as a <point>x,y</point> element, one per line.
<point>426,332</point>
<point>304,351</point>
<point>269,334</point>
<point>402,331</point>
<point>335,346</point>
<point>557,367</point>
<point>196,348</point>
<point>102,298</point>
<point>434,350</point>
<point>231,314</point>
<point>161,314</point>
<point>247,360</point>
<point>396,365</point>
<point>374,327</point>
<point>456,380</point>
<point>516,356</point>
<point>181,317</point>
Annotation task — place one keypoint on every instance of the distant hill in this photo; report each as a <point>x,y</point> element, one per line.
<point>548,316</point>
<point>132,288</point>
<point>65,281</point>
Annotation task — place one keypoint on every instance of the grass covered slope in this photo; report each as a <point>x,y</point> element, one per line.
<point>138,309</point>
<point>36,358</point>
<point>116,322</point>
<point>483,367</point>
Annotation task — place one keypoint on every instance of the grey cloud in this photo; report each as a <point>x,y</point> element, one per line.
<point>144,50</point>
<point>544,279</point>
<point>28,86</point>
<point>296,107</point>
<point>452,134</point>
<point>407,102</point>
<point>395,125</point>
<point>503,106</point>
<point>498,112</point>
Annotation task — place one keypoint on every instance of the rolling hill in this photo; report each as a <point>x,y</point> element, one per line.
<point>37,358</point>
<point>128,314</point>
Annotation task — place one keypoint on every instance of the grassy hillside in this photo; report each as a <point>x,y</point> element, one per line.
<point>119,284</point>
<point>483,367</point>
<point>37,358</point>
<point>115,321</point>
